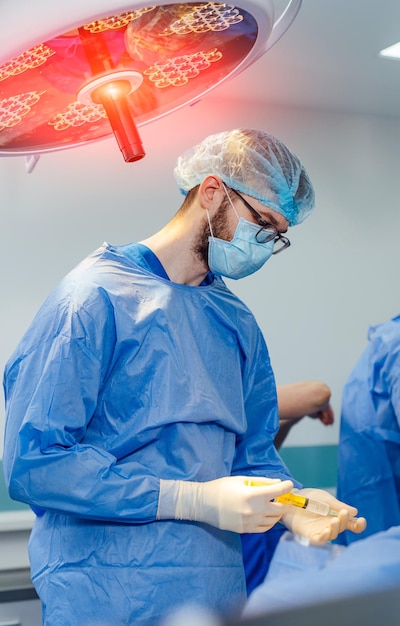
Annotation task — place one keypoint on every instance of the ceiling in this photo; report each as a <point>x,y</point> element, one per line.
<point>328,59</point>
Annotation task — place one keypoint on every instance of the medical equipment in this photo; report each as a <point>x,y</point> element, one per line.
<point>85,70</point>
<point>313,506</point>
<point>354,524</point>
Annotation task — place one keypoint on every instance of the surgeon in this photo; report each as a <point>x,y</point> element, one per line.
<point>369,444</point>
<point>141,407</point>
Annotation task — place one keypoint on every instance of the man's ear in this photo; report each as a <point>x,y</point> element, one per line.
<point>211,192</point>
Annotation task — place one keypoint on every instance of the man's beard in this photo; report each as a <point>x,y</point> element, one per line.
<point>219,228</point>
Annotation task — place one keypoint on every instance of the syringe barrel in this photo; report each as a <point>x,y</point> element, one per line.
<point>320,508</point>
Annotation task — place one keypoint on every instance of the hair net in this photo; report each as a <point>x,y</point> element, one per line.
<point>254,163</point>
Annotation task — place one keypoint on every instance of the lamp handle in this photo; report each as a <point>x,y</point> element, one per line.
<point>283,22</point>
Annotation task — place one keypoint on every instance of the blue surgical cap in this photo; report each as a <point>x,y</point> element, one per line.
<point>254,163</point>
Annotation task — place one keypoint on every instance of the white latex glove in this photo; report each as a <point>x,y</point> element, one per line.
<point>229,503</point>
<point>319,529</point>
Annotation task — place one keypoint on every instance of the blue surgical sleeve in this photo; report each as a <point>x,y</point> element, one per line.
<point>51,391</point>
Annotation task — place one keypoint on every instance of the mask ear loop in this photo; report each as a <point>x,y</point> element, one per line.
<point>230,201</point>
<point>209,224</point>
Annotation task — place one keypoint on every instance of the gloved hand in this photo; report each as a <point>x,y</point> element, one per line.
<point>229,503</point>
<point>319,529</point>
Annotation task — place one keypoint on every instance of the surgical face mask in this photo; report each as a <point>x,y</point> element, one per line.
<point>240,257</point>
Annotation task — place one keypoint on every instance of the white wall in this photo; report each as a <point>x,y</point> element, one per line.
<point>314,302</point>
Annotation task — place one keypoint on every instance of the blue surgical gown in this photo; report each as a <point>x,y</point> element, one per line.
<point>123,378</point>
<point>306,575</point>
<point>369,445</point>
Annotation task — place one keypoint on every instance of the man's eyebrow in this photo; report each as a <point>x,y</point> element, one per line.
<point>272,220</point>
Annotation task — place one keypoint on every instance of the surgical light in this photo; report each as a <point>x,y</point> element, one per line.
<point>84,70</point>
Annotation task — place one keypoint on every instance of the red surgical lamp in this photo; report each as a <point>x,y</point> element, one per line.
<point>75,71</point>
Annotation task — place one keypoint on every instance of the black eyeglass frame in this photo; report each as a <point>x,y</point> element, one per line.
<point>262,236</point>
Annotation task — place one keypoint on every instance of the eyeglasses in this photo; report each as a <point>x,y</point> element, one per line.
<point>267,232</point>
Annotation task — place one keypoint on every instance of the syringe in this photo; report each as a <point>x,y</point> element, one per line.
<point>314,506</point>
<point>356,524</point>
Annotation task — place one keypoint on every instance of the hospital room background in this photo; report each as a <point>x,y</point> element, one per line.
<point>314,303</point>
